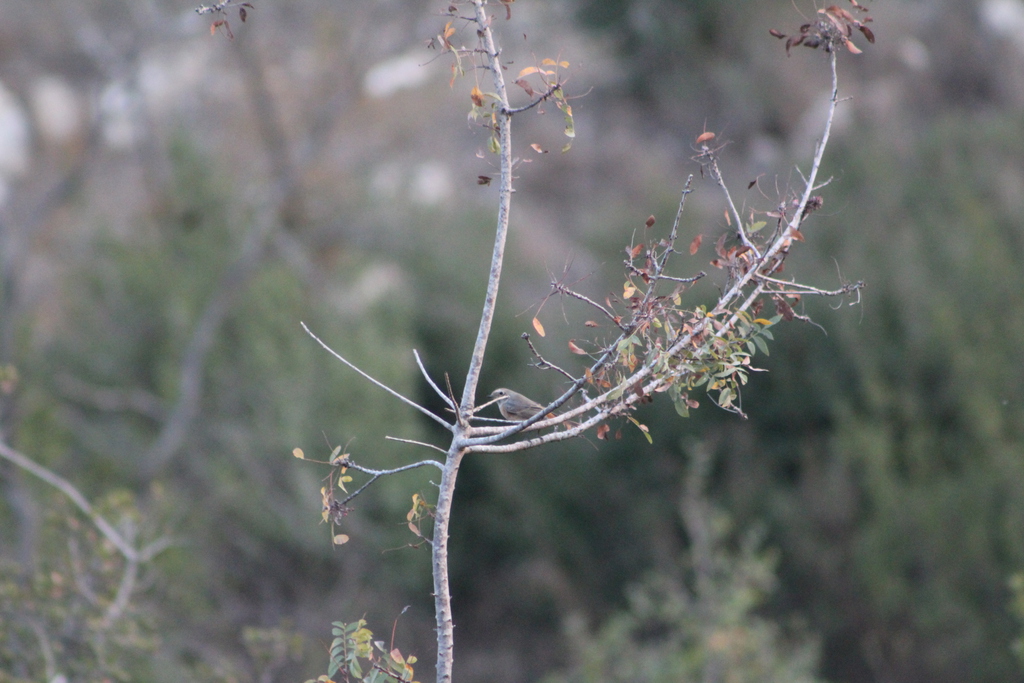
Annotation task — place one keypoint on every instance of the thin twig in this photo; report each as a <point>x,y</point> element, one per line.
<point>684,280</point>
<point>377,382</point>
<point>617,320</point>
<point>125,589</point>
<point>716,175</point>
<point>531,105</point>
<point>415,443</point>
<point>799,288</point>
<point>377,474</point>
<point>430,381</point>
<point>541,362</point>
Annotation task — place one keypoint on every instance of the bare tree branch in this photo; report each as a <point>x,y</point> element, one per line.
<point>377,474</point>
<point>377,382</point>
<point>73,494</point>
<point>124,542</point>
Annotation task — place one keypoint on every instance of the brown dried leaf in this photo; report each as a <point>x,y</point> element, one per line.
<point>477,96</point>
<point>537,326</point>
<point>575,349</point>
<point>649,222</point>
<point>777,34</point>
<point>720,246</point>
<point>521,82</point>
<point>695,244</point>
<point>538,149</point>
<point>840,13</point>
<point>602,431</point>
<point>704,137</point>
<point>591,323</point>
<point>797,235</point>
<point>483,180</point>
<point>784,309</point>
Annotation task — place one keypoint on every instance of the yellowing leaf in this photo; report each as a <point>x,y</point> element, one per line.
<point>527,71</point>
<point>575,349</point>
<point>537,326</point>
<point>477,96</point>
<point>340,539</point>
<point>297,452</point>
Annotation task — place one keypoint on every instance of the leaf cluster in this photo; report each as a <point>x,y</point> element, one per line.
<point>831,31</point>
<point>356,656</point>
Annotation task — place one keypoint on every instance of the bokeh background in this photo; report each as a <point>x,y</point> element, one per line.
<point>173,203</point>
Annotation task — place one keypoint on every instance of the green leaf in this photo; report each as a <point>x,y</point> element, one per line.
<point>725,397</point>
<point>643,428</point>
<point>761,344</point>
<point>682,408</point>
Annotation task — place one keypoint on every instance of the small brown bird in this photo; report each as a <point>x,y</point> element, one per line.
<point>514,406</point>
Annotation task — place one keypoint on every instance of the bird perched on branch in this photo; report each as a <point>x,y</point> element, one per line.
<point>514,406</point>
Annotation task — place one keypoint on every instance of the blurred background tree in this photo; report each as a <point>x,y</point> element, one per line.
<point>315,168</point>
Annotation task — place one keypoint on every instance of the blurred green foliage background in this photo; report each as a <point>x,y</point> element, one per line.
<point>865,521</point>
